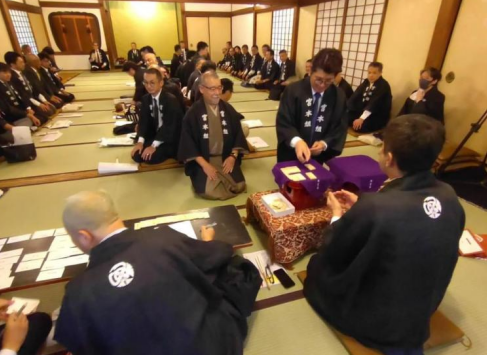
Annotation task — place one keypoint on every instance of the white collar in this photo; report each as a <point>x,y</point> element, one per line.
<point>17,71</point>
<point>118,231</point>
<point>45,69</point>
<point>157,96</point>
<point>314,92</point>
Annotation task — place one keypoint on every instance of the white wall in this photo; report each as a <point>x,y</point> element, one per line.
<point>207,7</point>
<point>73,62</point>
<point>243,30</point>
<point>241,7</point>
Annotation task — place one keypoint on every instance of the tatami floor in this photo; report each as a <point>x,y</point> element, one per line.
<point>36,191</point>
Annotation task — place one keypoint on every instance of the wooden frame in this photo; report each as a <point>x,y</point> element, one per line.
<point>69,5</point>
<point>10,26</point>
<point>12,5</point>
<point>294,40</point>
<point>207,14</point>
<point>442,33</point>
<point>109,34</point>
<point>386,3</point>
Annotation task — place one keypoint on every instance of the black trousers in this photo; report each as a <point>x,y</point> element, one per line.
<point>40,325</point>
<point>66,97</point>
<point>276,92</point>
<point>265,86</point>
<point>161,154</point>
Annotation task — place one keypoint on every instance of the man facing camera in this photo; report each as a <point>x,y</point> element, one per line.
<point>369,107</point>
<point>159,124</point>
<point>311,117</point>
<point>212,143</point>
<point>151,291</point>
<point>98,59</point>
<point>51,80</point>
<point>387,262</point>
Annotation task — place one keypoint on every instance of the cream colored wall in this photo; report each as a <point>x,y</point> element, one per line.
<point>127,17</point>
<point>243,30</point>
<point>198,30</point>
<point>207,7</point>
<point>466,96</point>
<point>5,44</point>
<point>32,2</point>
<point>306,30</point>
<point>38,30</point>
<point>405,42</point>
<point>220,33</point>
<point>264,28</point>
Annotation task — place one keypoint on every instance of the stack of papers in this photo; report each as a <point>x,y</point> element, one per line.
<point>19,238</point>
<point>22,136</point>
<point>61,124</point>
<point>116,142</point>
<point>112,168</point>
<point>51,136</point>
<point>171,219</point>
<point>72,107</point>
<point>253,123</point>
<point>185,228</point>
<point>257,142</point>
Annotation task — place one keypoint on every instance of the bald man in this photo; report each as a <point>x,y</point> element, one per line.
<point>151,291</point>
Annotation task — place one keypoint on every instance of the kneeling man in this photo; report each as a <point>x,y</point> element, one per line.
<point>212,143</point>
<point>387,262</point>
<point>151,291</point>
<point>159,124</point>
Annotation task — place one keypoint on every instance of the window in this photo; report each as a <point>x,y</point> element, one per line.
<point>282,32</point>
<point>329,25</point>
<point>23,30</point>
<point>354,28</point>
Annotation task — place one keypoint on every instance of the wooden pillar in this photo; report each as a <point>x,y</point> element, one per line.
<point>109,35</point>
<point>10,26</point>
<point>445,24</point>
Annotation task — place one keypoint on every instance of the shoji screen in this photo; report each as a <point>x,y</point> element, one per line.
<point>282,32</point>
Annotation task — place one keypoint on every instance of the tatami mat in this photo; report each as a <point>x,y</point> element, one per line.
<point>77,135</point>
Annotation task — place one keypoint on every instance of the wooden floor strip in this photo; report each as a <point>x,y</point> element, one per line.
<point>91,174</point>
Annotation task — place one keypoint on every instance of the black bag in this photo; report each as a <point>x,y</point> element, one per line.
<point>20,153</point>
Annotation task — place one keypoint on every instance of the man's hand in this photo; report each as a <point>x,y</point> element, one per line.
<point>15,332</point>
<point>258,82</point>
<point>30,111</point>
<point>44,107</point>
<point>334,205</point>
<point>207,234</point>
<point>34,120</point>
<point>147,154</point>
<point>4,304</point>
<point>347,198</point>
<point>56,99</point>
<point>302,151</point>
<point>210,171</point>
<point>8,127</point>
<point>357,124</point>
<point>276,82</point>
<point>285,83</point>
<point>137,149</point>
<point>317,148</point>
<point>228,164</point>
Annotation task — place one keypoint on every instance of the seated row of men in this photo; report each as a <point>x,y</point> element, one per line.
<point>184,296</point>
<point>30,91</point>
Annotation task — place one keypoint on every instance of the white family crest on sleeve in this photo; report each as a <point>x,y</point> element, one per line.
<point>308,113</point>
<point>121,274</point>
<point>432,207</point>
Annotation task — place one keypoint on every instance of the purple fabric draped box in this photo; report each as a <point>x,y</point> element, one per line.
<point>360,170</point>
<point>316,187</point>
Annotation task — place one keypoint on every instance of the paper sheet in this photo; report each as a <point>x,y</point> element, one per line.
<point>22,135</point>
<point>3,241</point>
<point>50,274</point>
<point>29,265</point>
<point>185,228</point>
<point>60,231</point>
<point>34,256</point>
<point>257,142</point>
<point>119,123</point>
<point>61,263</point>
<point>61,242</point>
<point>63,253</point>
<point>31,305</point>
<point>70,115</point>
<point>11,253</point>
<point>290,170</point>
<point>60,124</point>
<point>9,261</point>
<point>116,142</point>
<point>253,123</point>
<point>261,259</point>
<point>296,177</point>
<point>310,167</point>
<point>6,282</point>
<point>171,219</point>
<point>43,234</point>
<point>51,137</point>
<point>468,244</point>
<point>311,176</point>
<point>111,168</point>
<point>19,238</point>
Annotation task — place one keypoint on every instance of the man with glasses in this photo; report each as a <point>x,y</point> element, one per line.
<point>212,143</point>
<point>159,124</point>
<point>311,120</point>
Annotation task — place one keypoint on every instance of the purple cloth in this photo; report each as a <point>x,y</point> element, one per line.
<point>360,170</point>
<point>316,188</point>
